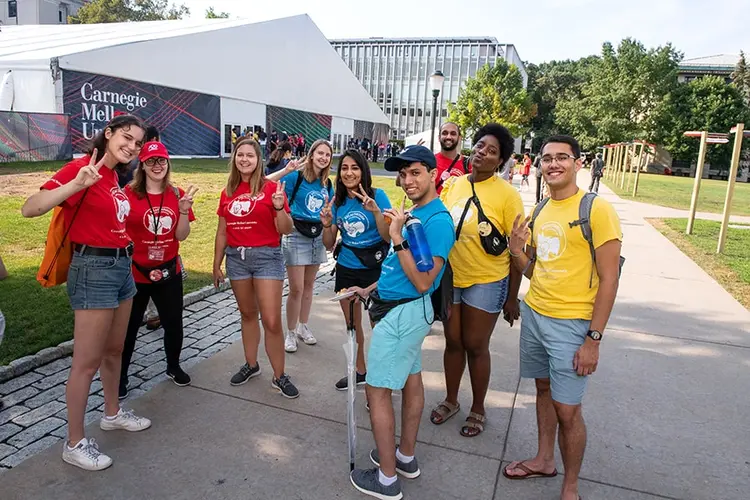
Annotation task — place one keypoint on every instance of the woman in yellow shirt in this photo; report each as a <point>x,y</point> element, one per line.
<point>483,207</point>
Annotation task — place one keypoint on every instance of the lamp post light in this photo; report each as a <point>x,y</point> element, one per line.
<point>436,84</point>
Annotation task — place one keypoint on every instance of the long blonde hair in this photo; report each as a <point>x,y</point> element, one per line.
<point>256,178</point>
<point>309,170</point>
<point>138,184</point>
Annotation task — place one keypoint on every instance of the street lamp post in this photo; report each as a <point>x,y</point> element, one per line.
<point>436,84</point>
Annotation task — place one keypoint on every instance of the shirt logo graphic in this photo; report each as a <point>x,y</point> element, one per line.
<point>355,223</point>
<point>242,206</point>
<point>122,205</point>
<point>164,221</point>
<point>314,201</point>
<point>551,242</point>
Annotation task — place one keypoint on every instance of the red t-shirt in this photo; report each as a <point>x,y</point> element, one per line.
<point>154,237</point>
<point>101,220</point>
<point>526,168</point>
<point>250,219</point>
<point>445,170</point>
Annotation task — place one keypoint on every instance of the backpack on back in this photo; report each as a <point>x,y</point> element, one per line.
<point>58,249</point>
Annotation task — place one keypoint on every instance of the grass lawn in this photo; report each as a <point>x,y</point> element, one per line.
<point>731,269</point>
<point>36,317</point>
<point>675,192</point>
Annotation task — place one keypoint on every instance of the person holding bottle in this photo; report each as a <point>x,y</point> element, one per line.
<point>159,219</point>
<point>355,211</point>
<point>307,189</point>
<point>253,215</point>
<point>402,312</point>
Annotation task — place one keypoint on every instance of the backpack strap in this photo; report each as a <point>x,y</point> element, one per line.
<point>297,184</point>
<point>584,222</point>
<point>537,210</point>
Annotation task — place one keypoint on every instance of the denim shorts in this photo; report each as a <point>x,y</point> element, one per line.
<point>396,346</point>
<point>300,250</point>
<point>548,346</point>
<point>260,263</point>
<point>487,297</point>
<point>99,282</point>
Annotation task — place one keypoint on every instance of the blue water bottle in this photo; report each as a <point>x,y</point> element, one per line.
<point>418,245</point>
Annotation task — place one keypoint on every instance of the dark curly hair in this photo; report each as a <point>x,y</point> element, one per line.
<point>503,136</point>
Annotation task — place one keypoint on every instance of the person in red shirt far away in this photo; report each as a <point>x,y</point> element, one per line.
<point>100,281</point>
<point>159,219</point>
<point>450,162</point>
<point>525,171</point>
<point>253,214</point>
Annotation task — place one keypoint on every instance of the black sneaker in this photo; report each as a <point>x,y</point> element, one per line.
<point>409,471</point>
<point>245,374</point>
<point>285,386</point>
<point>368,482</point>
<point>178,376</point>
<point>343,384</point>
<point>123,391</point>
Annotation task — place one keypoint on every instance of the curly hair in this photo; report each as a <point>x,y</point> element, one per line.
<point>503,136</point>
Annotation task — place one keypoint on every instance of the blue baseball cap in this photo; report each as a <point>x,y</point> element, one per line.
<point>411,154</point>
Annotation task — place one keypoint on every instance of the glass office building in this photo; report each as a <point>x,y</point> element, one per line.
<point>396,73</point>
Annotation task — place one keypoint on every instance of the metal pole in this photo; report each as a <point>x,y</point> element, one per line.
<point>638,170</point>
<point>435,94</point>
<point>697,183</point>
<point>739,134</point>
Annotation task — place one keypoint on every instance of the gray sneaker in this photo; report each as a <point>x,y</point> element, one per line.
<point>409,471</point>
<point>246,373</point>
<point>367,481</point>
<point>285,386</point>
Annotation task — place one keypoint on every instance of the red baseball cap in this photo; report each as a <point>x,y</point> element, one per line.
<point>153,149</point>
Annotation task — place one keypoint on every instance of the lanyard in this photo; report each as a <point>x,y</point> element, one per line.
<point>157,219</point>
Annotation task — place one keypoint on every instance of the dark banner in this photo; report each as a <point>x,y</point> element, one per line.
<point>312,125</point>
<point>34,137</point>
<point>187,121</point>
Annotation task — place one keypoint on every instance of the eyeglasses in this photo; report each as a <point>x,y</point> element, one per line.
<point>153,161</point>
<point>559,158</point>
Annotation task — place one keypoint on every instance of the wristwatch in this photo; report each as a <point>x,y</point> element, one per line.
<point>595,335</point>
<point>404,245</point>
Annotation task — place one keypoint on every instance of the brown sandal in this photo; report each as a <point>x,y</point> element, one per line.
<point>443,412</point>
<point>528,473</point>
<point>474,421</point>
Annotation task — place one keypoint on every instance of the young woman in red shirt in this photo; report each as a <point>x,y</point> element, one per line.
<point>100,281</point>
<point>159,219</point>
<point>253,214</point>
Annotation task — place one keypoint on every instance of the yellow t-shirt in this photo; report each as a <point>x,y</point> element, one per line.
<point>560,283</point>
<point>501,204</point>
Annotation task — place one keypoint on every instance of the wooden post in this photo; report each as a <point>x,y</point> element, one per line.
<point>616,171</point>
<point>638,170</point>
<point>632,166</point>
<point>625,164</point>
<point>738,136</point>
<point>697,183</point>
<point>605,156</point>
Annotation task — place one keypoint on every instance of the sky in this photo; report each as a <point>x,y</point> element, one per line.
<point>541,30</point>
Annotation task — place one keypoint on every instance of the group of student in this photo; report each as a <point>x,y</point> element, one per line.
<point>272,225</point>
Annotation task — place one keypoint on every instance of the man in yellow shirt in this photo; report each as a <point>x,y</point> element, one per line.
<point>566,309</point>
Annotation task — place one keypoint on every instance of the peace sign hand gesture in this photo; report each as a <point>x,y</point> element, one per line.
<point>278,197</point>
<point>519,235</point>
<point>326,213</point>
<point>296,164</point>
<point>367,202</point>
<point>398,219</point>
<point>186,202</point>
<point>89,174</point>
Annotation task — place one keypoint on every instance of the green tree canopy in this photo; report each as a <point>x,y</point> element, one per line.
<point>212,14</point>
<point>117,11</point>
<point>495,94</point>
<point>741,77</point>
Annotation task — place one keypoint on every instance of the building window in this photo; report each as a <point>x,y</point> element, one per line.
<point>440,51</point>
<point>12,8</point>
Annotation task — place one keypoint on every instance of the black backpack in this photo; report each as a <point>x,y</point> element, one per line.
<point>442,297</point>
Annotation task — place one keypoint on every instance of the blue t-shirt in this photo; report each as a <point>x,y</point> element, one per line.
<point>310,197</point>
<point>357,226</point>
<point>438,227</point>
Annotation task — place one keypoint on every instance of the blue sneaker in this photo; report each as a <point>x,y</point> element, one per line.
<point>409,471</point>
<point>367,481</point>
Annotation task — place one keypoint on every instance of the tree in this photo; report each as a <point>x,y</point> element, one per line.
<point>741,77</point>
<point>118,11</point>
<point>211,14</point>
<point>495,94</point>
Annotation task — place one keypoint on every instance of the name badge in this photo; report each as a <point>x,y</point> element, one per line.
<point>156,253</point>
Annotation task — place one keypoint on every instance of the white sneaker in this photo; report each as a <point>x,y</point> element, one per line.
<point>86,455</point>
<point>290,342</point>
<point>305,335</point>
<point>124,420</point>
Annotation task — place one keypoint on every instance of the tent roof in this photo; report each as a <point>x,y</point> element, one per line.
<point>728,60</point>
<point>284,62</point>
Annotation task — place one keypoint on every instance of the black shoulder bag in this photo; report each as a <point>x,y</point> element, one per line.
<point>309,229</point>
<point>493,241</point>
<point>371,257</point>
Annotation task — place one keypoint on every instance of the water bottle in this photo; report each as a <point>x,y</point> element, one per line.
<point>418,245</point>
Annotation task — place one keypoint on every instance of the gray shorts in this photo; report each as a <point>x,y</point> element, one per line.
<point>548,346</point>
<point>260,263</point>
<point>300,250</point>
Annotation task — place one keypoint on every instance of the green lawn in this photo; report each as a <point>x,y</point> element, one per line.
<point>731,269</point>
<point>36,317</point>
<point>675,192</point>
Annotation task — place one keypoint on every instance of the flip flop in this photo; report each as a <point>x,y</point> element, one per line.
<point>529,474</point>
<point>443,412</point>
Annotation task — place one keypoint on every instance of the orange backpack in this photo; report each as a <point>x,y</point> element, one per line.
<point>58,250</point>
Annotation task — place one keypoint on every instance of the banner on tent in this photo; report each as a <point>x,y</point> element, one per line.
<point>34,137</point>
<point>188,122</point>
<point>312,125</point>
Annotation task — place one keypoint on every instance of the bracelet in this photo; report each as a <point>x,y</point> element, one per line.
<point>329,225</point>
<point>516,255</point>
<point>278,209</point>
<point>184,213</point>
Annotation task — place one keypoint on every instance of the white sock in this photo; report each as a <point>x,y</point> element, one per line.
<point>403,458</point>
<point>385,480</point>
<point>112,417</point>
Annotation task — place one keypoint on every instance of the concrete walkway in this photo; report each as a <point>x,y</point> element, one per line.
<point>663,422</point>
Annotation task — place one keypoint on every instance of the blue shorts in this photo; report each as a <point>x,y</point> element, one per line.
<point>260,263</point>
<point>396,346</point>
<point>548,346</point>
<point>99,282</point>
<point>487,297</point>
<point>300,250</point>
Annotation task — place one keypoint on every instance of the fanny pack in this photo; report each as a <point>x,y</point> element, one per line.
<point>371,257</point>
<point>310,229</point>
<point>378,308</point>
<point>492,240</point>
<point>162,272</point>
